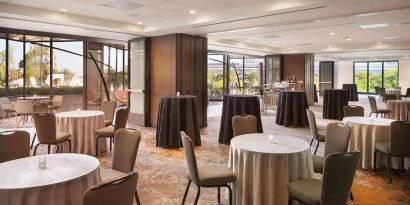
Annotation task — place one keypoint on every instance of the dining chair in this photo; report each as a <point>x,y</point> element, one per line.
<point>244,124</point>
<point>119,191</point>
<point>8,108</point>
<point>121,117</point>
<point>337,141</point>
<point>56,103</point>
<point>126,146</point>
<point>353,111</point>
<point>382,93</point>
<point>45,124</point>
<point>375,110</point>
<point>14,145</point>
<point>108,107</point>
<point>335,186</point>
<point>206,175</point>
<point>319,136</point>
<point>407,95</point>
<point>397,146</point>
<point>25,109</point>
<point>38,108</point>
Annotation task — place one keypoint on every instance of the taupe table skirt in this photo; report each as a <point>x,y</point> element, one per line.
<point>176,114</point>
<point>333,103</point>
<point>237,105</point>
<point>291,110</point>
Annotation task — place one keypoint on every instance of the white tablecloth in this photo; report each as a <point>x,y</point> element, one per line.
<point>366,132</point>
<point>62,182</point>
<point>82,125</point>
<point>399,109</point>
<point>264,169</point>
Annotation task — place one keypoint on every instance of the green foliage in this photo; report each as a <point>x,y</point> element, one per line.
<point>375,79</point>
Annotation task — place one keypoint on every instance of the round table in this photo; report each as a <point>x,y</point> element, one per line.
<point>399,109</point>
<point>82,125</point>
<point>36,99</point>
<point>393,91</point>
<point>291,109</point>
<point>351,92</point>
<point>265,168</point>
<point>366,132</point>
<point>62,182</point>
<point>333,102</point>
<point>176,114</point>
<point>237,105</point>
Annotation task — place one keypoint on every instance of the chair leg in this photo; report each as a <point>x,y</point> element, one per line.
<point>137,198</point>
<point>370,114</point>
<point>32,141</point>
<point>48,148</point>
<point>388,162</point>
<point>230,194</point>
<point>186,192</point>
<point>402,165</point>
<point>110,143</point>
<point>58,148</point>
<point>219,195</point>
<point>69,145</point>
<point>317,146</point>
<point>96,146</point>
<point>374,160</point>
<point>311,142</point>
<point>35,149</point>
<point>197,194</point>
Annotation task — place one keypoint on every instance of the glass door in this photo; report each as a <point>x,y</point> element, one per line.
<point>138,103</point>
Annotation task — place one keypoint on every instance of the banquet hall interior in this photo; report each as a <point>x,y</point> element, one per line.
<point>162,102</point>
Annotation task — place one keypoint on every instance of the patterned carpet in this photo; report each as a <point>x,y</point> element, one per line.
<point>163,171</point>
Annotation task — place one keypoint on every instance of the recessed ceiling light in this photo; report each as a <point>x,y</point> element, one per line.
<point>192,11</point>
<point>63,10</point>
<point>333,33</point>
<point>379,43</point>
<point>317,20</point>
<point>234,31</point>
<point>366,14</point>
<point>392,38</point>
<point>140,22</point>
<point>248,41</point>
<point>348,39</point>
<point>372,26</point>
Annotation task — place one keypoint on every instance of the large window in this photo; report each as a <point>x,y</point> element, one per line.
<point>16,66</point>
<point>215,77</point>
<point>2,67</point>
<point>368,75</point>
<point>37,76</point>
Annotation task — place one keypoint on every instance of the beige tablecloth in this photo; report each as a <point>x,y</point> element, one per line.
<point>399,109</point>
<point>62,182</point>
<point>82,126</point>
<point>366,132</point>
<point>264,169</point>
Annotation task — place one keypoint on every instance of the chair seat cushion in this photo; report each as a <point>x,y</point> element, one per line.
<point>383,147</point>
<point>215,175</point>
<point>111,174</point>
<point>107,123</point>
<point>318,163</point>
<point>62,136</point>
<point>105,131</point>
<point>321,136</point>
<point>307,190</point>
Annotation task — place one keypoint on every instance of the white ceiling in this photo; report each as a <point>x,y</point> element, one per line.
<point>249,26</point>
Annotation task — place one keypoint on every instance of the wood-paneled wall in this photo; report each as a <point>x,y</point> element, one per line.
<point>178,64</point>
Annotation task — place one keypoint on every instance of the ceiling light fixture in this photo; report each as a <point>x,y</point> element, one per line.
<point>192,11</point>
<point>234,31</point>
<point>372,26</point>
<point>348,39</point>
<point>379,43</point>
<point>63,10</point>
<point>140,22</point>
<point>366,14</point>
<point>333,33</point>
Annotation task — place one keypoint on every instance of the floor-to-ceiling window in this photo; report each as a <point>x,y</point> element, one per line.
<point>15,68</point>
<point>252,72</point>
<point>215,77</point>
<point>371,74</point>
<point>2,66</point>
<point>68,73</point>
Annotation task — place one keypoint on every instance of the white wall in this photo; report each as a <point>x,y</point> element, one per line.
<point>343,73</point>
<point>404,75</point>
